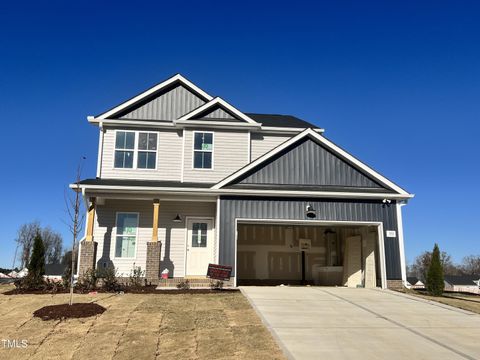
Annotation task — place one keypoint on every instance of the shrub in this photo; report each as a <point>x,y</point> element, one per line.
<point>88,281</point>
<point>136,276</point>
<point>109,278</point>
<point>184,285</point>
<point>435,284</point>
<point>36,266</point>
<point>216,284</point>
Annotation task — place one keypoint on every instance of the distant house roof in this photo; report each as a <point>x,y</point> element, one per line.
<point>281,121</point>
<point>55,269</point>
<point>4,276</point>
<point>462,279</point>
<point>412,280</point>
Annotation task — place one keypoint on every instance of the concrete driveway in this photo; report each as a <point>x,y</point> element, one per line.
<point>345,323</point>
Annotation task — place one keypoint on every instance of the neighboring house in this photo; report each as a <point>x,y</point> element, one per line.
<point>414,283</point>
<point>185,179</point>
<point>22,273</point>
<point>462,283</point>
<point>54,271</point>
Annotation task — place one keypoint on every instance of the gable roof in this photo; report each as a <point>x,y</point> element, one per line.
<point>214,105</point>
<point>412,280</point>
<point>462,279</point>
<point>176,79</point>
<point>311,134</point>
<point>275,120</point>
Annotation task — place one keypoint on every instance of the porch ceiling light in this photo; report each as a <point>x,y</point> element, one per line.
<point>310,212</point>
<point>177,218</point>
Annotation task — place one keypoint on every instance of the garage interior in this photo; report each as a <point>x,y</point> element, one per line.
<point>334,255</point>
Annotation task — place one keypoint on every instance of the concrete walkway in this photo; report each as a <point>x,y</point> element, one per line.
<point>345,323</point>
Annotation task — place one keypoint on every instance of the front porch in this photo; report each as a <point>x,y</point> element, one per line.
<point>177,235</point>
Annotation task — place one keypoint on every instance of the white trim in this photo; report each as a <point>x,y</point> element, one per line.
<point>114,235</point>
<point>187,219</point>
<point>210,191</point>
<point>183,155</point>
<point>401,243</point>
<point>157,87</point>
<point>325,142</point>
<point>133,123</point>
<point>217,231</point>
<point>214,124</point>
<point>378,224</point>
<point>210,151</point>
<point>135,149</point>
<point>100,151</point>
<point>249,148</point>
<point>221,102</point>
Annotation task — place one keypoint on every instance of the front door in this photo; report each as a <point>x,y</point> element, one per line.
<point>199,246</point>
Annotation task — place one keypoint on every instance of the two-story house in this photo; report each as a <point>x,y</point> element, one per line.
<point>185,179</point>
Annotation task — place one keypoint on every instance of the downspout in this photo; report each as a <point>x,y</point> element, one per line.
<point>401,244</point>
<point>100,151</point>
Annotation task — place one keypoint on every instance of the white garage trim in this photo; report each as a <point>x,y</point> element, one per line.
<point>379,225</point>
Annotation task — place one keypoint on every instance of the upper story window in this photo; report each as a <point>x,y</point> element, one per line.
<point>203,150</point>
<point>134,149</point>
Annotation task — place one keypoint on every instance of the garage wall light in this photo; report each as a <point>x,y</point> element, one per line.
<point>310,212</point>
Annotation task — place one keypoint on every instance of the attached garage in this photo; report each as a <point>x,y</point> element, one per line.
<point>334,254</point>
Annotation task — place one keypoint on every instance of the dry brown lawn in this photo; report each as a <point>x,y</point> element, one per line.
<point>464,302</point>
<point>138,326</point>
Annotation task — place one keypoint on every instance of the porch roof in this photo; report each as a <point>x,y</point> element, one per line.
<point>142,183</point>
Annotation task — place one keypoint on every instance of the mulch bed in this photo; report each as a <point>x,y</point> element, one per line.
<point>65,311</point>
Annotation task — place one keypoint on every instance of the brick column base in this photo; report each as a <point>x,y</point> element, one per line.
<point>88,252</point>
<point>152,271</point>
<point>395,284</point>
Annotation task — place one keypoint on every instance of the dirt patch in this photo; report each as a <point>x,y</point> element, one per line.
<point>65,311</point>
<point>195,291</point>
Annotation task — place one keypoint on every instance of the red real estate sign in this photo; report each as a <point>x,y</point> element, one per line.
<point>219,272</point>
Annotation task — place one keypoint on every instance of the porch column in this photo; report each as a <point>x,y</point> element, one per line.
<point>88,247</point>
<point>154,247</point>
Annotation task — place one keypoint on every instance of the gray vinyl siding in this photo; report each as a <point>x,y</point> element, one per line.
<point>172,235</point>
<point>218,114</point>
<point>230,153</point>
<point>232,208</point>
<point>169,158</point>
<point>170,105</point>
<point>309,163</point>
<point>263,143</point>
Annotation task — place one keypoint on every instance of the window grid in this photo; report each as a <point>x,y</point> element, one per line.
<point>138,154</point>
<point>202,150</point>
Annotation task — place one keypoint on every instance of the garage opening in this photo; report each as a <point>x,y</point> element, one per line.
<point>333,255</point>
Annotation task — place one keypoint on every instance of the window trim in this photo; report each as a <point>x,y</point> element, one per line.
<point>136,150</point>
<point>211,151</point>
<point>115,235</point>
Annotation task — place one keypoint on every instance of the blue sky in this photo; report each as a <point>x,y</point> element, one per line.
<point>396,83</point>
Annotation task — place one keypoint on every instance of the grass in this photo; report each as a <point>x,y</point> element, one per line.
<point>141,326</point>
<point>461,301</point>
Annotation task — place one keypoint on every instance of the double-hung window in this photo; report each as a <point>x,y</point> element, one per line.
<point>135,149</point>
<point>203,150</point>
<point>127,225</point>
<point>147,150</point>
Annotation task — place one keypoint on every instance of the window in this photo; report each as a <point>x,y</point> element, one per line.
<point>147,150</point>
<point>124,149</point>
<point>139,148</point>
<point>127,224</point>
<point>202,150</point>
<point>199,234</point>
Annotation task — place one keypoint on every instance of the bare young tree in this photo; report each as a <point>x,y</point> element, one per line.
<point>471,265</point>
<point>52,241</point>
<point>76,217</point>
<point>25,235</point>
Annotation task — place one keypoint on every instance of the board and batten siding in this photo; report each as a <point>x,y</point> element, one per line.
<point>263,143</point>
<point>169,158</point>
<point>169,105</point>
<point>232,208</point>
<point>230,153</point>
<point>172,235</point>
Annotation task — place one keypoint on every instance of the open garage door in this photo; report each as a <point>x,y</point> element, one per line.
<point>333,255</point>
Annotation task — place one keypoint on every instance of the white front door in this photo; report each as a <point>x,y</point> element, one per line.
<point>199,246</point>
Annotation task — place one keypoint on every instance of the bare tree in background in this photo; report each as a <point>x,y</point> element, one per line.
<point>471,265</point>
<point>52,241</point>
<point>26,234</point>
<point>422,262</point>
<point>76,219</point>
